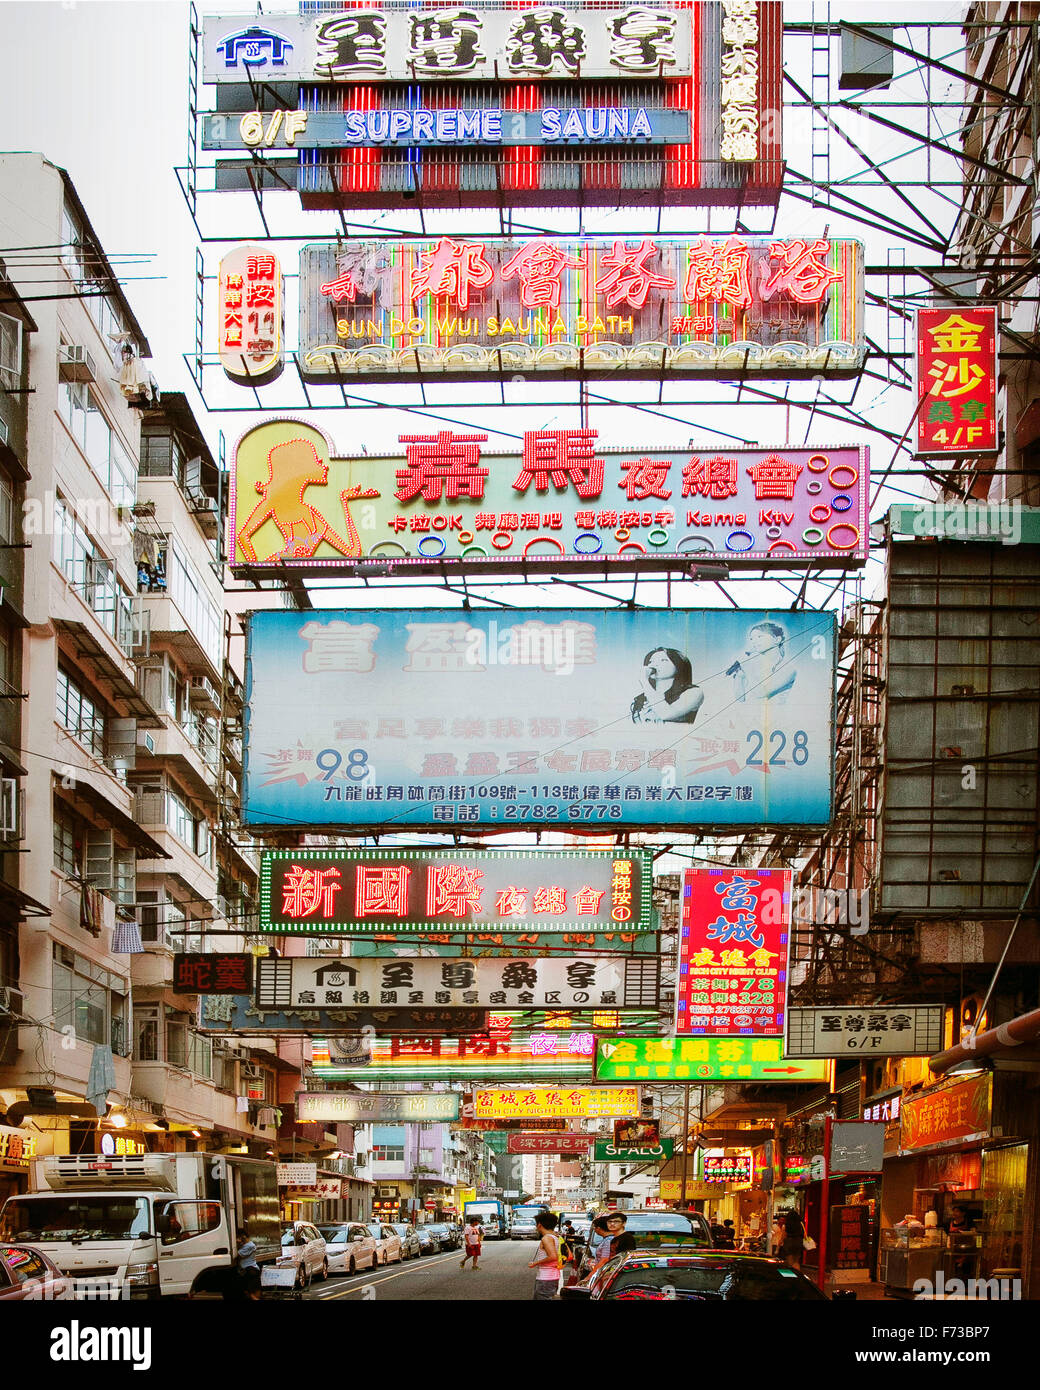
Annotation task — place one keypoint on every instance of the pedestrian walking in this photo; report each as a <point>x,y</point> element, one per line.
<point>613,1227</point>
<point>547,1260</point>
<point>789,1238</point>
<point>472,1237</point>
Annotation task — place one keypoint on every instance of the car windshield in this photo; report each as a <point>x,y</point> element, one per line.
<point>373,1231</point>
<point>43,1220</point>
<point>658,1221</point>
<point>400,1230</point>
<point>438,1230</point>
<point>335,1235</point>
<point>288,1236</point>
<point>709,1280</point>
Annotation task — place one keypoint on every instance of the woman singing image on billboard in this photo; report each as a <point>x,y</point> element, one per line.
<point>670,696</point>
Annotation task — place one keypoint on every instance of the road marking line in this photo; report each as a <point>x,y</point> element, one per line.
<point>354,1288</point>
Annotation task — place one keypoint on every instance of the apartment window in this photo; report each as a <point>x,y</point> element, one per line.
<point>91,574</point>
<point>68,842</point>
<point>185,587</point>
<point>10,351</point>
<point>104,450</point>
<point>89,998</point>
<point>7,512</point>
<point>80,715</point>
<point>146,1033</point>
<point>387,1153</point>
<point>7,653</point>
<point>86,268</point>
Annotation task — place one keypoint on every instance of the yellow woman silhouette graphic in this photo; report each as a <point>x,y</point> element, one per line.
<point>293,467</point>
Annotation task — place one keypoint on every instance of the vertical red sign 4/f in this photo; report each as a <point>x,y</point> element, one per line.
<point>733,948</point>
<point>957,381</point>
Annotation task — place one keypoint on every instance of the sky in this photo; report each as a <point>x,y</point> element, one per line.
<point>101,89</point>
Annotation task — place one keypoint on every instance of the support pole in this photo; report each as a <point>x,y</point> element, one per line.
<point>825,1204</point>
<point>685,1142</point>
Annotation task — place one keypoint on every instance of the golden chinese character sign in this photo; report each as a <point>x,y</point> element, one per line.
<point>251,315</point>
<point>608,103</point>
<point>949,1115</point>
<point>957,381</point>
<point>566,498</point>
<point>459,307</point>
<point>574,1102</point>
<point>733,939</point>
<point>701,1059</point>
<point>590,719</point>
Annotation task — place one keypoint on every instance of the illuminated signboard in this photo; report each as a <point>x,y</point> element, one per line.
<point>496,1053</point>
<point>726,1168</point>
<point>251,315</point>
<point>455,307</point>
<point>633,1153</point>
<point>957,352</point>
<point>343,1107</point>
<point>17,1146</point>
<point>573,1102</point>
<point>391,126</point>
<point>243,1016</point>
<point>701,1059</point>
<point>385,43</point>
<point>914,1030</point>
<point>329,982</point>
<point>566,1142</point>
<point>212,973</point>
<point>733,939</point>
<point>562,500</point>
<point>496,93</point>
<point>329,891</point>
<point>953,1114</point>
<point>395,720</point>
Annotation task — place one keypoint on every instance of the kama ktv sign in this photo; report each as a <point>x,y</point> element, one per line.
<point>458,307</point>
<point>565,499</point>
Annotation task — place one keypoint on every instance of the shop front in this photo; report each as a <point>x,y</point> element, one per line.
<point>953,1196</point>
<point>18,1147</point>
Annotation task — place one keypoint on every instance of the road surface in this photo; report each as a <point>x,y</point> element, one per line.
<point>503,1276</point>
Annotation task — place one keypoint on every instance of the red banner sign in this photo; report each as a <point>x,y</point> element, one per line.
<point>947,1116</point>
<point>567,1142</point>
<point>733,952</point>
<point>956,381</point>
<point>732,1168</point>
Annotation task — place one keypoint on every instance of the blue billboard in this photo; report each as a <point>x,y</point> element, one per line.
<point>522,719</point>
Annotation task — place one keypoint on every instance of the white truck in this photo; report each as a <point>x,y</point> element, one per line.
<point>148,1225</point>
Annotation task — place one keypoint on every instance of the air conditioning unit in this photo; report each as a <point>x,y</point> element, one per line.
<point>201,503</point>
<point>76,364</point>
<point>3,432</point>
<point>386,1192</point>
<point>11,1000</point>
<point>203,692</point>
<point>9,807</point>
<point>146,741</point>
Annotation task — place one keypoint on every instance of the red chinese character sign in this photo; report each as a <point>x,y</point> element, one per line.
<point>216,973</point>
<point>333,891</point>
<point>733,945</point>
<point>566,498</point>
<point>251,315</point>
<point>565,306</point>
<point>957,365</point>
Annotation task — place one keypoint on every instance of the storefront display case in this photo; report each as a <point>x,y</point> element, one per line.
<point>912,1253</point>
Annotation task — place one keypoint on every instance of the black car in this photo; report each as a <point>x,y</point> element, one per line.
<point>656,1228</point>
<point>697,1276</point>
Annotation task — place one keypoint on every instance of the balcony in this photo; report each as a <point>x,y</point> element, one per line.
<point>192,753</point>
<point>169,625</point>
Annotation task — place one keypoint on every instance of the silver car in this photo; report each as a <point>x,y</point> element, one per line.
<point>411,1248</point>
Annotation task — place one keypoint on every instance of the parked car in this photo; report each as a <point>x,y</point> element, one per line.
<point>349,1247</point>
<point>657,1229</point>
<point>689,1274</point>
<point>446,1236</point>
<point>523,1227</point>
<point>428,1244</point>
<point>27,1273</point>
<point>388,1243</point>
<point>410,1247</point>
<point>303,1245</point>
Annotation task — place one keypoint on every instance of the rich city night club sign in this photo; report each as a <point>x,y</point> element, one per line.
<point>567,498</point>
<point>458,307</point>
<point>390,719</point>
<point>733,948</point>
<point>325,892</point>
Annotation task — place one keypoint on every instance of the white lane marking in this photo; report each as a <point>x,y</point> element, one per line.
<point>423,1263</point>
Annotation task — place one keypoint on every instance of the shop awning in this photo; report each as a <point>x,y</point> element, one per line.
<point>18,906</point>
